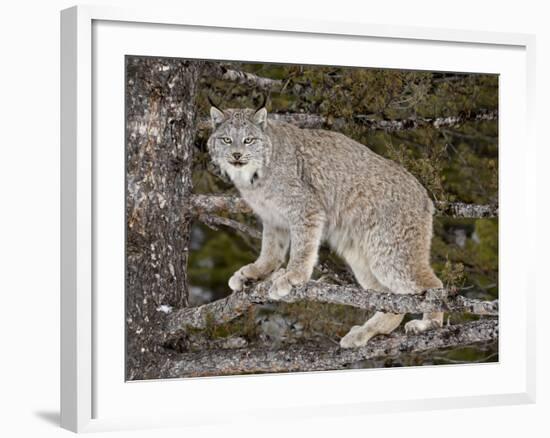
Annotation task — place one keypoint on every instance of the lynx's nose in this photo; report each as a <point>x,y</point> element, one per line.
<point>237,156</point>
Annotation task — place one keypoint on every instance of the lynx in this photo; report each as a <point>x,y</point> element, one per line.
<point>312,185</point>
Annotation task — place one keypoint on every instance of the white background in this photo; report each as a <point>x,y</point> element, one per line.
<point>29,188</point>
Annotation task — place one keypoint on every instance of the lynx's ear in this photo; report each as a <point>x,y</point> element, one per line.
<point>260,118</point>
<point>217,117</point>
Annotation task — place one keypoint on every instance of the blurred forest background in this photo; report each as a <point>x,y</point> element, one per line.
<point>455,163</point>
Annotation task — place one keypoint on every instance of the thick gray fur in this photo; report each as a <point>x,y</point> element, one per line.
<point>313,185</point>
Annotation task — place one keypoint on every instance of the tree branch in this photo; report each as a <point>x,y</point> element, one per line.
<point>421,122</point>
<point>313,358</point>
<point>214,221</point>
<point>236,304</point>
<point>313,121</point>
<point>460,209</point>
<point>208,204</point>
<point>233,204</point>
<point>244,78</point>
<point>304,120</point>
<point>301,120</point>
<point>266,85</point>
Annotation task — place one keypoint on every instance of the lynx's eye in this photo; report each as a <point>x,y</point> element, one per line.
<point>248,140</point>
<point>226,140</point>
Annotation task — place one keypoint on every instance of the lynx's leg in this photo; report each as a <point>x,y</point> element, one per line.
<point>305,239</point>
<point>380,323</point>
<point>275,242</point>
<point>407,270</point>
<point>431,320</point>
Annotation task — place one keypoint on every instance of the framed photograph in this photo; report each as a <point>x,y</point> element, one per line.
<point>277,217</point>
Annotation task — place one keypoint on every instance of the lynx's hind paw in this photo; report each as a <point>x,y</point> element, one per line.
<point>417,326</point>
<point>358,336</point>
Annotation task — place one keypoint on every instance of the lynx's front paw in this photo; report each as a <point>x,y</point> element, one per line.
<point>239,278</point>
<point>283,281</point>
<point>358,336</point>
<point>237,281</point>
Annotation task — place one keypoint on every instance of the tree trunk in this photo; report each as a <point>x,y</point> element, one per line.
<point>160,130</point>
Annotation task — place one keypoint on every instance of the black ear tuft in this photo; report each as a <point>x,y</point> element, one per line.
<point>216,114</point>
<point>260,114</point>
<point>211,102</point>
<point>263,102</point>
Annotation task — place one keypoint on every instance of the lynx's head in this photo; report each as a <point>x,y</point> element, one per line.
<point>239,144</point>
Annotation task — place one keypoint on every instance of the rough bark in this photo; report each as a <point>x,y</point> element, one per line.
<point>210,204</point>
<point>311,358</point>
<point>236,304</point>
<point>160,131</point>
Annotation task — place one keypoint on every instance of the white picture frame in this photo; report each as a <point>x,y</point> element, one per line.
<point>86,378</point>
